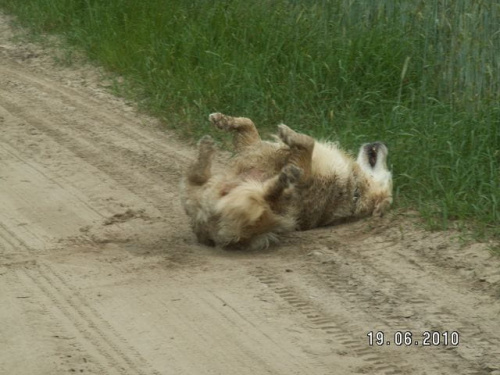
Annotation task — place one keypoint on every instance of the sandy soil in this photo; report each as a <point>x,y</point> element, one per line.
<point>100,274</point>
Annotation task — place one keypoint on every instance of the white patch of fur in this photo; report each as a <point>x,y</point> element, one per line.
<point>327,157</point>
<point>384,179</point>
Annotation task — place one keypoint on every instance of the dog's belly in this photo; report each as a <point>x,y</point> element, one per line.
<point>254,174</point>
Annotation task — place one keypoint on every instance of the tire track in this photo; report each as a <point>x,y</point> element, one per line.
<point>53,336</point>
<point>120,123</point>
<point>14,242</point>
<point>100,158</point>
<point>9,244</point>
<point>383,316</point>
<point>97,121</point>
<point>97,332</point>
<point>102,145</point>
<point>253,331</point>
<point>103,342</point>
<point>397,302</point>
<point>49,184</point>
<point>59,182</point>
<point>333,324</point>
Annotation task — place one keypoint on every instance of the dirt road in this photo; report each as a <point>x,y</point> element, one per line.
<point>99,273</point>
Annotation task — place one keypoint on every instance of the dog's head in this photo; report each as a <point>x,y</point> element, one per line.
<point>372,159</point>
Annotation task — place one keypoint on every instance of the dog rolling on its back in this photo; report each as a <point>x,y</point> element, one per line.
<point>269,188</point>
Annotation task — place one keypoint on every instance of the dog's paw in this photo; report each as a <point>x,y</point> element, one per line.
<point>287,135</point>
<point>293,139</point>
<point>220,121</point>
<point>293,172</point>
<point>290,174</point>
<point>215,117</point>
<point>206,140</point>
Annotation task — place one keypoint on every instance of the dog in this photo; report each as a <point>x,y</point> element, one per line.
<point>273,187</point>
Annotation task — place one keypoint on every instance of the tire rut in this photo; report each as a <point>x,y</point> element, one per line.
<point>337,325</point>
<point>100,158</point>
<point>119,123</point>
<point>104,340</point>
<point>90,141</point>
<point>400,299</point>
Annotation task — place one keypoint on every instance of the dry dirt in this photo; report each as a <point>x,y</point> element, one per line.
<point>100,274</point>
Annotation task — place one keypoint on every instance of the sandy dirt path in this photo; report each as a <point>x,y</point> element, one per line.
<point>99,273</point>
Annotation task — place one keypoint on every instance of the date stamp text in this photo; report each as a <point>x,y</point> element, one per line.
<point>408,338</point>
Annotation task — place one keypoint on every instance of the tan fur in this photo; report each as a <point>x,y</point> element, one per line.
<point>275,187</point>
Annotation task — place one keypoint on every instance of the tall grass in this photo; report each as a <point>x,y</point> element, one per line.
<point>422,75</point>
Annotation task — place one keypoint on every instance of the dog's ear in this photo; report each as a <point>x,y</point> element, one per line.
<point>382,206</point>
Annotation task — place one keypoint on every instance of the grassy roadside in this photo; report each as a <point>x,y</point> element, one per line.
<point>424,76</point>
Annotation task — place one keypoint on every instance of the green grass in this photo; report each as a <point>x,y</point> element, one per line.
<point>424,76</point>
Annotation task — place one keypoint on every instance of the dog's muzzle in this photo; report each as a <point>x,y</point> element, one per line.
<point>372,150</point>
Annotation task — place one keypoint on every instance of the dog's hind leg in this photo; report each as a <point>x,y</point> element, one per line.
<point>200,171</point>
<point>244,130</point>
<point>301,147</point>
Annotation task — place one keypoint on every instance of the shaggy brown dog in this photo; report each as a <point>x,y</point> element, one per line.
<point>269,188</point>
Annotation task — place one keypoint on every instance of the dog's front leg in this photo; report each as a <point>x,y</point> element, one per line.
<point>301,148</point>
<point>281,187</point>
